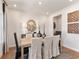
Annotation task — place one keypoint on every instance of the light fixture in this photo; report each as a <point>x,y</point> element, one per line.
<point>47,13</point>
<point>14,5</point>
<point>40,3</point>
<point>70,0</point>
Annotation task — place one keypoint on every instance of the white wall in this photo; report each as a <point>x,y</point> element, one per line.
<point>1,29</point>
<point>69,40</point>
<point>16,20</point>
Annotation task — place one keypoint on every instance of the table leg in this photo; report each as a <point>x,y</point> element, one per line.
<point>22,52</point>
<point>42,50</point>
<point>60,46</point>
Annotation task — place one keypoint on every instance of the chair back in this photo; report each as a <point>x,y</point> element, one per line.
<point>36,48</point>
<point>23,35</point>
<point>29,36</point>
<point>56,39</point>
<point>16,41</point>
<point>48,47</point>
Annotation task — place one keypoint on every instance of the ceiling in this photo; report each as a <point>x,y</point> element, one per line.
<point>47,7</point>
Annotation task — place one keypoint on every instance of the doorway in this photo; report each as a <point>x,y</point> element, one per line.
<point>57,24</point>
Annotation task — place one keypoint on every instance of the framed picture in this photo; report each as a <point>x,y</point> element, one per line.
<point>73,22</point>
<point>73,17</point>
<point>73,28</point>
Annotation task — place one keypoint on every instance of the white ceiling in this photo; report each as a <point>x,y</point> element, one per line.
<point>32,6</point>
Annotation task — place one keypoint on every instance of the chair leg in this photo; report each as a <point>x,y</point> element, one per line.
<point>28,55</point>
<point>16,56</point>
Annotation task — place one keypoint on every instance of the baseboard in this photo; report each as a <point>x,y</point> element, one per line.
<point>73,49</point>
<point>0,55</point>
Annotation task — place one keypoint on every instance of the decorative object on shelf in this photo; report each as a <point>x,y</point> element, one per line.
<point>44,35</point>
<point>39,33</point>
<point>31,26</point>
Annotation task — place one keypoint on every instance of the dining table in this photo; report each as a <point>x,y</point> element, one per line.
<point>26,42</point>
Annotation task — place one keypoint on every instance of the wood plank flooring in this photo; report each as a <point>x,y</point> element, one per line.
<point>9,55</point>
<point>66,54</point>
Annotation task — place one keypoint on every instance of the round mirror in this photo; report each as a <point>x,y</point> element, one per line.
<point>31,25</point>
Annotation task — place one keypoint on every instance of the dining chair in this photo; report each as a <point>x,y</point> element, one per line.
<point>23,35</point>
<point>18,49</point>
<point>47,48</point>
<point>35,50</point>
<point>55,49</point>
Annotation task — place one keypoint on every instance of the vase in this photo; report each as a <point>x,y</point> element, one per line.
<point>34,34</point>
<point>44,35</point>
<point>39,34</point>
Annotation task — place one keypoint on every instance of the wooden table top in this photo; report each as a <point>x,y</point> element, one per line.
<point>26,42</point>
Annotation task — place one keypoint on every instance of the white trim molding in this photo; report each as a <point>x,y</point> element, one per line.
<point>76,50</point>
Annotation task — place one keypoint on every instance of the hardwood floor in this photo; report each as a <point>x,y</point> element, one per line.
<point>66,53</point>
<point>74,54</point>
<point>10,54</point>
